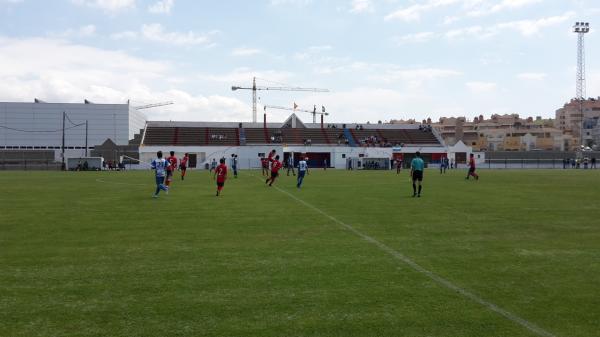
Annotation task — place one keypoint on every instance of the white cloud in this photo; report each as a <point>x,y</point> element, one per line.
<point>243,76</point>
<point>155,32</point>
<point>481,87</point>
<point>81,32</point>
<point>312,52</point>
<point>526,28</point>
<point>533,27</point>
<point>411,77</point>
<point>362,6</point>
<point>126,35</point>
<point>414,12</point>
<point>532,76</point>
<point>107,5</point>
<point>467,31</point>
<point>501,6</point>
<point>291,2</point>
<point>474,8</point>
<point>161,7</point>
<point>244,51</point>
<point>415,38</point>
<point>318,49</point>
<point>70,72</point>
<point>448,20</point>
<point>11,1</point>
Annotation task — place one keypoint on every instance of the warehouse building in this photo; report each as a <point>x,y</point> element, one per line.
<point>34,131</point>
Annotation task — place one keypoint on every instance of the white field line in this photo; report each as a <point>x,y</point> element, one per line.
<point>100,180</point>
<point>438,279</point>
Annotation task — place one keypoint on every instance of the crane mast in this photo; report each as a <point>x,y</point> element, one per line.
<point>255,88</point>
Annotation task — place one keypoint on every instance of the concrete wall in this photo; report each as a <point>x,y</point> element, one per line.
<point>248,155</point>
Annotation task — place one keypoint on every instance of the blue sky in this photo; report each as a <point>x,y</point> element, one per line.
<point>381,59</point>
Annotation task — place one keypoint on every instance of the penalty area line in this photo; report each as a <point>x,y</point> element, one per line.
<point>433,276</point>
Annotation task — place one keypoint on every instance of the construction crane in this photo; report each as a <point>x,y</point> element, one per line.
<point>313,112</point>
<point>153,105</point>
<point>255,88</point>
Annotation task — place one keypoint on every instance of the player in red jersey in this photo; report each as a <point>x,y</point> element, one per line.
<point>183,164</point>
<point>270,162</point>
<point>472,168</point>
<point>264,162</point>
<point>275,166</point>
<point>271,154</point>
<point>171,168</point>
<point>220,175</point>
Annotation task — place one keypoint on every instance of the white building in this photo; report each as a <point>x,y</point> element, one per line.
<point>38,126</point>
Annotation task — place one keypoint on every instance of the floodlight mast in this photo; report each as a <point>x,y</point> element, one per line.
<point>581,28</point>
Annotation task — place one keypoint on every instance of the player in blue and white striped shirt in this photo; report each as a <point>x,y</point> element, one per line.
<point>160,165</point>
<point>302,170</point>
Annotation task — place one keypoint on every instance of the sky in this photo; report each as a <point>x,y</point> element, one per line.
<point>380,59</point>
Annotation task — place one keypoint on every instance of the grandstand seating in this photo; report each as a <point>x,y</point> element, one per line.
<point>416,136</point>
<point>393,137</point>
<point>256,136</point>
<point>159,135</point>
<point>316,136</point>
<point>222,136</point>
<point>191,136</point>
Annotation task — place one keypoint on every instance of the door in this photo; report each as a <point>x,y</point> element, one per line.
<point>193,160</point>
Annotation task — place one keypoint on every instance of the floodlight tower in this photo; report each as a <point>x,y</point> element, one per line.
<point>581,28</point>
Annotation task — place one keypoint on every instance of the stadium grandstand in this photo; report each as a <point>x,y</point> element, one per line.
<point>331,145</point>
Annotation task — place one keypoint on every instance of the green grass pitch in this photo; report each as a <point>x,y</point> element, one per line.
<point>93,254</point>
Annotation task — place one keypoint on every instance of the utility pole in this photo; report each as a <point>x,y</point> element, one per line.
<point>86,138</point>
<point>254,100</point>
<point>63,167</point>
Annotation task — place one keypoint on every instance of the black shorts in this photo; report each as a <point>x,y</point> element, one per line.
<point>417,175</point>
<point>183,168</point>
<point>220,184</point>
<point>472,170</point>
<point>169,173</point>
<point>274,174</point>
